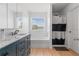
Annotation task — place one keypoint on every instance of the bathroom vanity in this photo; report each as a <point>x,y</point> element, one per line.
<point>18,45</point>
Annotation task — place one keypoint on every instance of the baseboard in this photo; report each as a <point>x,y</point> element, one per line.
<point>58,46</point>
<point>40,44</point>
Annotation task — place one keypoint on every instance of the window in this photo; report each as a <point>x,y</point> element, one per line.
<point>38,23</point>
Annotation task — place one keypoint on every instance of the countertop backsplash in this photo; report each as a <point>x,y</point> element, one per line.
<point>5,34</point>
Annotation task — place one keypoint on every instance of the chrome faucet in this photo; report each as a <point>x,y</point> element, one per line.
<point>15,32</point>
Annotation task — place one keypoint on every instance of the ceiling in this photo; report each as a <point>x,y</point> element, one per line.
<point>57,7</point>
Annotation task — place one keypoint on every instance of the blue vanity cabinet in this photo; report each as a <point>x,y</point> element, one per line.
<point>3,52</point>
<point>9,50</point>
<point>21,47</point>
<point>18,48</point>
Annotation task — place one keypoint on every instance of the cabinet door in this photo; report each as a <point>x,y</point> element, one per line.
<point>28,41</point>
<point>3,52</point>
<point>11,49</point>
<point>21,47</point>
<point>3,15</point>
<point>11,14</point>
<point>8,50</point>
<point>27,44</point>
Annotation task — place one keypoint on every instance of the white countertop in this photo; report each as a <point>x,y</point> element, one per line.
<point>4,43</point>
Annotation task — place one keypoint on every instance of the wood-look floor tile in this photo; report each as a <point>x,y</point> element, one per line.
<point>51,52</point>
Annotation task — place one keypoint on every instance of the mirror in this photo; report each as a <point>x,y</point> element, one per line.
<point>18,21</point>
<point>21,22</point>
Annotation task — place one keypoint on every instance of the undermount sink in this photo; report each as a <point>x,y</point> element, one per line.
<point>21,34</point>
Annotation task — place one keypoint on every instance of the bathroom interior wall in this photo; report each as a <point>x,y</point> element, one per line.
<point>37,7</point>
<point>41,7</point>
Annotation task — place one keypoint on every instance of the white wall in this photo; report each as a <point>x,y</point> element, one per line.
<point>3,15</point>
<point>36,7</point>
<point>11,10</point>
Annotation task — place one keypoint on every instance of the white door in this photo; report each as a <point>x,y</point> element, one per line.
<point>38,25</point>
<point>69,32</point>
<point>75,17</point>
<point>72,30</point>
